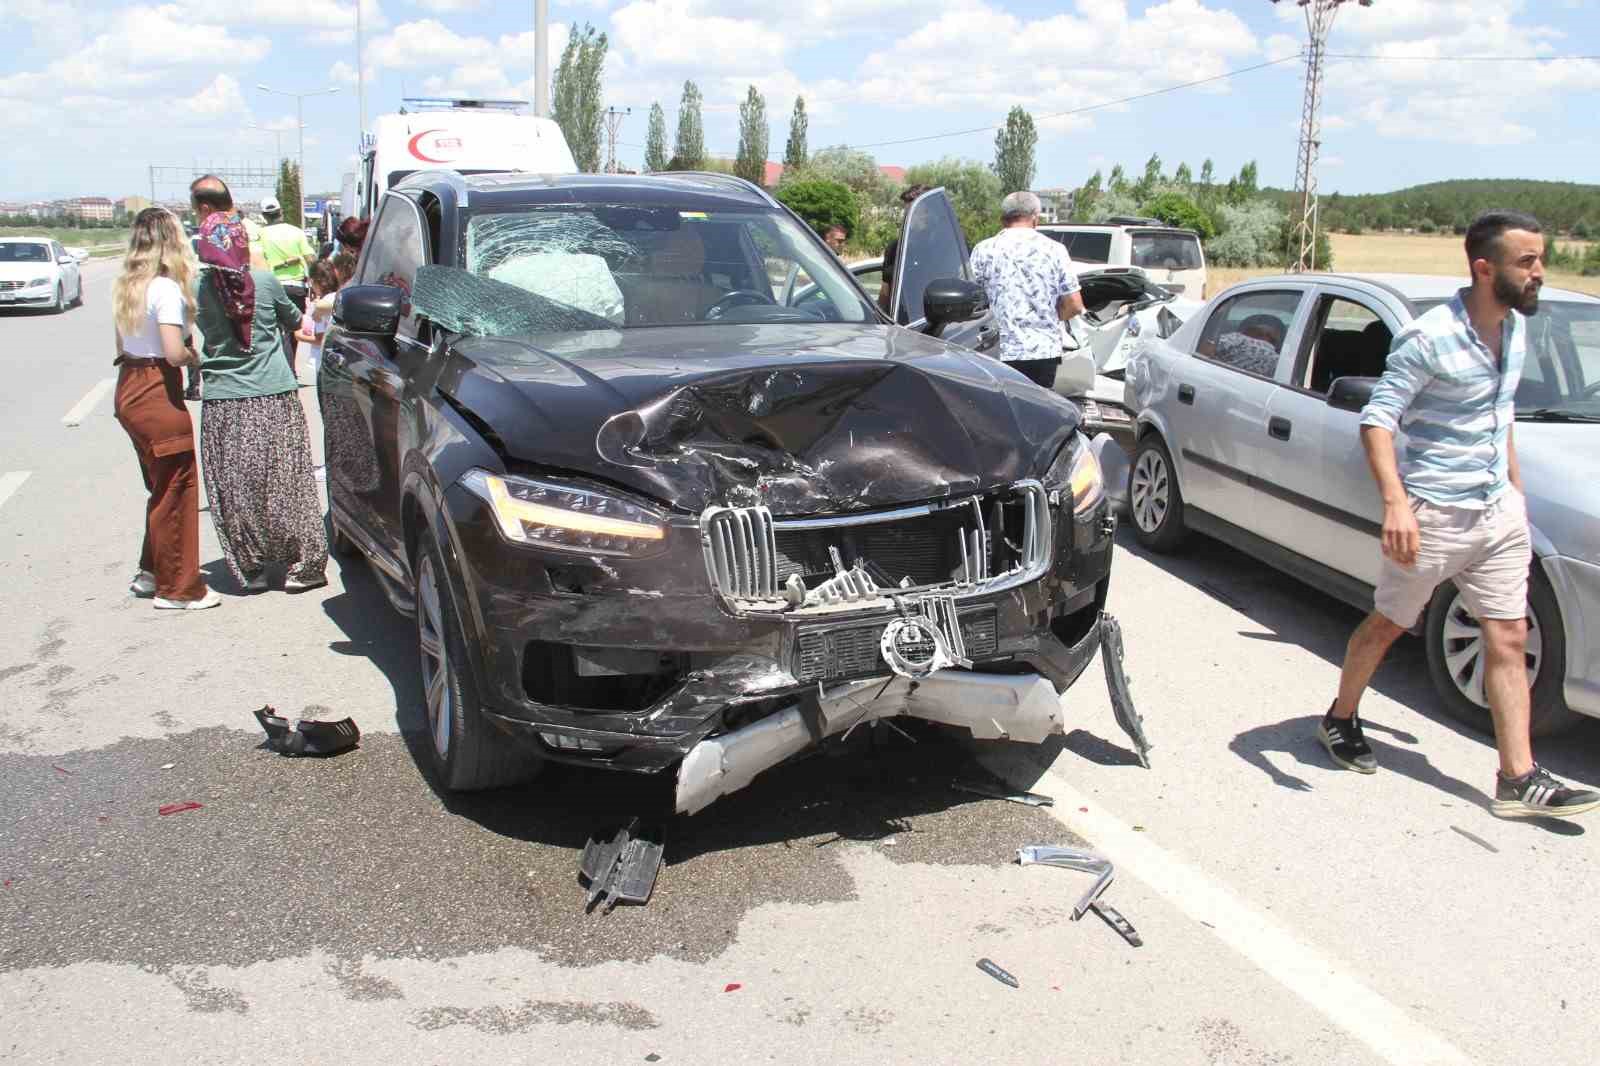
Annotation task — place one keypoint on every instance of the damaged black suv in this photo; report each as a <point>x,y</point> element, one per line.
<point>665,490</point>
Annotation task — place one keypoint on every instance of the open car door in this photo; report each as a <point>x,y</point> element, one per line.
<point>932,246</point>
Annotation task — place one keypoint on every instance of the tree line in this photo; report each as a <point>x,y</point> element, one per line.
<point>1564,208</point>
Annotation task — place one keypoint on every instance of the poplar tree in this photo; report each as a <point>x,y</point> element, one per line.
<point>794,153</point>
<point>689,149</point>
<point>575,95</point>
<point>655,140</point>
<point>1013,152</point>
<point>751,162</point>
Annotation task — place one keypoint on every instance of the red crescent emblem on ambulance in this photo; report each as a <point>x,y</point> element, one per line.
<point>412,146</point>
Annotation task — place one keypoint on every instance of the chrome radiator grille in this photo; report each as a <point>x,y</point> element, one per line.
<point>845,654</point>
<point>741,554</point>
<point>977,543</point>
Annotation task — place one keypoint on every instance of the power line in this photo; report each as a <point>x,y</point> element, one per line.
<point>1461,59</point>
<point>1089,107</point>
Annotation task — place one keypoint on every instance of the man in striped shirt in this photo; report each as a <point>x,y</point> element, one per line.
<point>1453,507</point>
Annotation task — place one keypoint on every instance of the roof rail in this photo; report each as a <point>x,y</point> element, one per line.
<point>727,179</point>
<point>452,178</point>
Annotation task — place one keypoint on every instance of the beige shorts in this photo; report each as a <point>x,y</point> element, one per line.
<point>1486,552</point>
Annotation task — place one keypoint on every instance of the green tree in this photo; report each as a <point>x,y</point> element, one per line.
<point>1183,175</point>
<point>751,162</point>
<point>575,94</point>
<point>822,204</point>
<point>974,191</point>
<point>655,141</point>
<point>1152,178</point>
<point>848,166</point>
<point>1175,209</point>
<point>1013,152</point>
<point>689,149</point>
<point>1089,194</point>
<point>794,152</point>
<point>1117,182</point>
<point>1208,173</point>
<point>288,192</point>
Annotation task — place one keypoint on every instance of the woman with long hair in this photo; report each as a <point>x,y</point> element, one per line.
<point>253,438</point>
<point>153,307</point>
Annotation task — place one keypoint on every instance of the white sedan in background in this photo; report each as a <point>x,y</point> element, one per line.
<point>39,272</point>
<point>1248,431</point>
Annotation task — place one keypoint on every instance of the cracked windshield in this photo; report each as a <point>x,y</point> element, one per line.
<point>621,267</point>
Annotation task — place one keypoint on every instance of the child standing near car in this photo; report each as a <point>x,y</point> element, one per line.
<point>324,285</point>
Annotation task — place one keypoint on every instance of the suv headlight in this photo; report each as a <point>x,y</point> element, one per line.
<point>1077,469</point>
<point>566,518</point>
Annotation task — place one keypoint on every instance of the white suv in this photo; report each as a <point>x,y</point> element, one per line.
<point>1171,257</point>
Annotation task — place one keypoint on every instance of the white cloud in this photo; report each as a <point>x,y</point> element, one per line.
<point>448,7</point>
<point>1099,52</point>
<point>221,97</point>
<point>672,34</point>
<point>328,21</point>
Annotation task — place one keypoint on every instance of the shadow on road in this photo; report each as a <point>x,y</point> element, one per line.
<point>1282,610</point>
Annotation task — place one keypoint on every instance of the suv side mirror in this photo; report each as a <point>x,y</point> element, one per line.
<point>1351,394</point>
<point>369,309</point>
<point>950,300</point>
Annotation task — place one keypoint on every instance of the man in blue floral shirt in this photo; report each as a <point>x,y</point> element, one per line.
<point>1032,288</point>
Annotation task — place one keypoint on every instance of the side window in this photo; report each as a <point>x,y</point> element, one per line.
<point>1247,332</point>
<point>931,247</point>
<point>394,252</point>
<point>1348,339</point>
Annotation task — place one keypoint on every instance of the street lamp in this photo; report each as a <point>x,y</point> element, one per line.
<point>300,122</point>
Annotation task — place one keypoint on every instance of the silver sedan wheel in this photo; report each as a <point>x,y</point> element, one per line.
<point>1150,490</point>
<point>435,658</point>
<point>1463,650</point>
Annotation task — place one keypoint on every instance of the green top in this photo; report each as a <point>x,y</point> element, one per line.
<point>283,246</point>
<point>228,370</point>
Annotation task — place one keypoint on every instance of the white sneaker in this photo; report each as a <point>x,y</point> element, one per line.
<point>211,599</point>
<point>143,584</point>
<point>295,584</point>
<point>257,583</point>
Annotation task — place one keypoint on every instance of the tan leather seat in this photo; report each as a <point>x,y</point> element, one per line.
<point>675,289</point>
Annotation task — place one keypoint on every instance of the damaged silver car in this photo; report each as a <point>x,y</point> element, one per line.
<point>666,492</point>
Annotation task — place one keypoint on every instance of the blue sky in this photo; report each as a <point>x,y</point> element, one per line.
<point>94,92</point>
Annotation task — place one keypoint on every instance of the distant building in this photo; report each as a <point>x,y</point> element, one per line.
<point>132,205</point>
<point>1055,205</point>
<point>90,209</point>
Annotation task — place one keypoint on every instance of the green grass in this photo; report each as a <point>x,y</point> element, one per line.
<point>70,236</point>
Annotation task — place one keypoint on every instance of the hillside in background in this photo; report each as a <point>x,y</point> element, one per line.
<point>1565,208</point>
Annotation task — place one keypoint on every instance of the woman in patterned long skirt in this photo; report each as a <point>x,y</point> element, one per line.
<point>254,447</point>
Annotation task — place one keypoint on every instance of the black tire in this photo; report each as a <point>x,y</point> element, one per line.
<point>469,753</point>
<point>1449,655</point>
<point>1154,499</point>
<point>61,299</point>
<point>77,299</point>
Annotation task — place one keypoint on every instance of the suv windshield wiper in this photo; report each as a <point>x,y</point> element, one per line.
<point>1554,414</point>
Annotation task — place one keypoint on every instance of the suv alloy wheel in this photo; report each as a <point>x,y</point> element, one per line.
<point>469,753</point>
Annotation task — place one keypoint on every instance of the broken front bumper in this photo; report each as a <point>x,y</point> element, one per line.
<point>725,671</point>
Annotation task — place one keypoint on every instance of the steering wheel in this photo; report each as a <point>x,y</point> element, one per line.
<point>1592,390</point>
<point>738,298</point>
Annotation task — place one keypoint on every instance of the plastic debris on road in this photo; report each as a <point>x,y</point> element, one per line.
<point>1111,656</point>
<point>988,967</point>
<point>307,736</point>
<point>732,986</point>
<point>178,808</point>
<point>622,869</point>
<point>1010,795</point>
<point>1072,859</point>
<point>1113,917</point>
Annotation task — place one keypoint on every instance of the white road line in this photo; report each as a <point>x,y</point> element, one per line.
<point>1301,968</point>
<point>81,410</point>
<point>10,483</point>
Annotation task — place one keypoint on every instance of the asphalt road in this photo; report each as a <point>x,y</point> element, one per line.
<point>347,911</point>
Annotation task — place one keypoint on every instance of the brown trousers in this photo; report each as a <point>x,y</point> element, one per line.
<point>149,404</point>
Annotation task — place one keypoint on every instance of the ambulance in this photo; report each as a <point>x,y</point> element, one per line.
<point>469,136</point>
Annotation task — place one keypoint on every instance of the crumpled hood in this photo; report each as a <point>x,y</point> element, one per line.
<point>803,418</point>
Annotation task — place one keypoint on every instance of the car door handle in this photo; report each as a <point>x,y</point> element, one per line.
<point>1279,427</point>
<point>1186,394</point>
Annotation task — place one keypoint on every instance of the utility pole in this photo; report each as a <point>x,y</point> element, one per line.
<point>361,80</point>
<point>541,58</point>
<point>1303,241</point>
<point>613,119</point>
<point>300,125</point>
